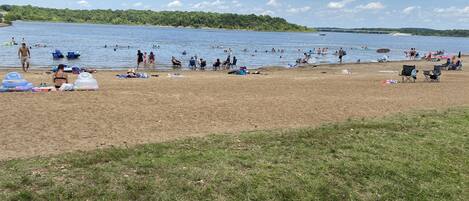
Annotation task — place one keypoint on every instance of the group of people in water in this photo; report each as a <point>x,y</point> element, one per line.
<point>307,56</point>
<point>412,54</point>
<point>196,63</point>
<point>145,60</point>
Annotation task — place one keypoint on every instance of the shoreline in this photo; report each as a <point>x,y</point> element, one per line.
<point>163,26</point>
<point>4,25</point>
<point>269,67</point>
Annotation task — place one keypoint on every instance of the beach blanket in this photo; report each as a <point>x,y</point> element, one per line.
<point>137,75</point>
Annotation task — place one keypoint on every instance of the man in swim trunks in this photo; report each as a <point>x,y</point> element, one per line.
<point>24,55</point>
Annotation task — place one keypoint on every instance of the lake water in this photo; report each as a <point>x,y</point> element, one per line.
<point>90,41</point>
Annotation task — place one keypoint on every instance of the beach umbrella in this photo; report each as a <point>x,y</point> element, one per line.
<point>383,50</point>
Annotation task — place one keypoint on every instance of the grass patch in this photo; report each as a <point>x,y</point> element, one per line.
<point>422,156</point>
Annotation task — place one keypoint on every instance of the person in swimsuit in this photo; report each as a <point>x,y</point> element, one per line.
<point>151,59</point>
<point>145,56</point>
<point>24,55</point>
<point>60,77</point>
<point>139,58</point>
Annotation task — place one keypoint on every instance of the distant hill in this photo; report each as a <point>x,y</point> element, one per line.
<point>163,18</point>
<point>413,31</point>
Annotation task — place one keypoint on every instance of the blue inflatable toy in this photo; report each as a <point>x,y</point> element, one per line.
<point>15,82</point>
<point>73,55</point>
<point>57,54</point>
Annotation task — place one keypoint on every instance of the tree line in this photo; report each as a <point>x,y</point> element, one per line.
<point>413,31</point>
<point>147,17</point>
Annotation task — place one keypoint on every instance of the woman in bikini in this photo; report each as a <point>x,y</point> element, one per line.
<point>60,77</point>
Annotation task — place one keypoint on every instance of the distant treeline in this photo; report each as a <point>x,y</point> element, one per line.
<point>146,17</point>
<point>413,31</point>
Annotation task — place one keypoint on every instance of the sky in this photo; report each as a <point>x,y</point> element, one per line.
<point>437,14</point>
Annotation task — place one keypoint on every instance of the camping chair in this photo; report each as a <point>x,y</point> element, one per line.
<point>176,64</point>
<point>459,67</point>
<point>406,73</point>
<point>433,75</point>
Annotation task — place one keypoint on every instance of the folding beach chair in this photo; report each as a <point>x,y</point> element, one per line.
<point>433,75</point>
<point>406,73</point>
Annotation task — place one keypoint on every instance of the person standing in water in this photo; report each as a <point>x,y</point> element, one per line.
<point>151,59</point>
<point>24,55</point>
<point>341,55</point>
<point>145,59</point>
<point>139,58</point>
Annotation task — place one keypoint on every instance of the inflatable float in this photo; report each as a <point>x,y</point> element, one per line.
<point>73,55</point>
<point>85,82</point>
<point>14,82</point>
<point>57,54</point>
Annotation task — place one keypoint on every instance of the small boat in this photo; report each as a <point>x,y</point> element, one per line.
<point>73,55</point>
<point>57,54</point>
<point>322,34</point>
<point>383,50</point>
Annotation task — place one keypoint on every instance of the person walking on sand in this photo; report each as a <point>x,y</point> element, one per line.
<point>24,55</point>
<point>139,58</point>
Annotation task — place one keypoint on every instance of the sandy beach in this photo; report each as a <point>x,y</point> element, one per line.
<point>137,111</point>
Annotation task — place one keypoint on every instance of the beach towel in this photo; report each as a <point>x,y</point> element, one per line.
<point>137,75</point>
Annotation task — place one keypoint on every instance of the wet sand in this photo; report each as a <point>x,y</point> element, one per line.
<point>138,111</point>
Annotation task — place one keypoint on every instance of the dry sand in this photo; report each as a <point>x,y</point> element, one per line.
<point>129,112</point>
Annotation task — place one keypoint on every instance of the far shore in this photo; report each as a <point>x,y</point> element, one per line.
<point>163,26</point>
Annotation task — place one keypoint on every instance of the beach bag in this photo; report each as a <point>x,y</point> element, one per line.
<point>66,87</point>
<point>76,70</point>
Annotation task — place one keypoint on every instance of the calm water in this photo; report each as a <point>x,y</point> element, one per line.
<point>90,40</point>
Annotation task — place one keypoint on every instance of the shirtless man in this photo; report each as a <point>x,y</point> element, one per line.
<point>24,55</point>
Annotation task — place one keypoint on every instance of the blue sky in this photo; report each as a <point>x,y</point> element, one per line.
<point>449,14</point>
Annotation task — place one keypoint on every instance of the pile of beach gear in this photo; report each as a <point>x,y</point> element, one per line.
<point>131,73</point>
<point>14,82</point>
<point>242,71</point>
<point>85,82</point>
<point>74,69</point>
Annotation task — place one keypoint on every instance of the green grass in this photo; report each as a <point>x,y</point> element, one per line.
<point>421,156</point>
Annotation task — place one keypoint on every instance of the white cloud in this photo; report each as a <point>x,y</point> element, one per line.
<point>371,6</point>
<point>454,13</point>
<point>83,3</point>
<point>410,9</point>
<point>268,12</point>
<point>299,10</point>
<point>338,4</point>
<point>273,3</point>
<point>137,4</point>
<point>174,4</point>
<point>236,3</point>
<point>209,4</point>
